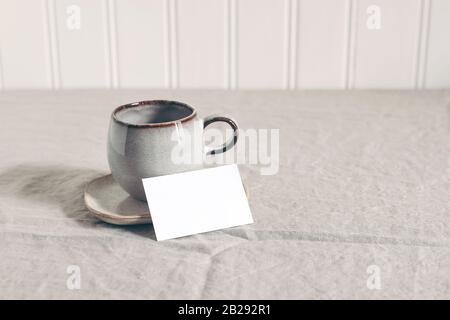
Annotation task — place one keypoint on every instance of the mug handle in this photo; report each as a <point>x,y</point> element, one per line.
<point>231,142</point>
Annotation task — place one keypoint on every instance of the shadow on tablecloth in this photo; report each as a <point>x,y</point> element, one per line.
<point>58,185</point>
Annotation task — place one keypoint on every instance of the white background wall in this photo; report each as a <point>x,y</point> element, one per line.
<point>229,44</point>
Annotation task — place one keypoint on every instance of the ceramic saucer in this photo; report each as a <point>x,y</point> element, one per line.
<point>106,200</point>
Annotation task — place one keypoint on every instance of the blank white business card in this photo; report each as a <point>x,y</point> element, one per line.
<point>197,201</point>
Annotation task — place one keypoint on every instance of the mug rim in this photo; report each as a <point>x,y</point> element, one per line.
<point>152,102</point>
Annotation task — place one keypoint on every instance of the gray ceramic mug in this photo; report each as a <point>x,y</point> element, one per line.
<point>141,144</point>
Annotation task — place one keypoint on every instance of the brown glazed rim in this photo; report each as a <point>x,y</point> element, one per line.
<point>152,102</point>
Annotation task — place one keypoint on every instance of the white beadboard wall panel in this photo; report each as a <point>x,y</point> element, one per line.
<point>437,64</point>
<point>321,53</point>
<point>24,44</point>
<point>84,56</point>
<point>141,43</point>
<point>201,43</point>
<point>261,44</point>
<point>386,57</point>
<point>229,44</point>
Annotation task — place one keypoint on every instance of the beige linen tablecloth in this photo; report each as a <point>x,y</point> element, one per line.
<point>360,207</point>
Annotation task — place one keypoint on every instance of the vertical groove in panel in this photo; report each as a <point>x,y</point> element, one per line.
<point>47,44</point>
<point>112,43</point>
<point>347,37</point>
<point>226,39</point>
<point>233,44</point>
<point>287,39</point>
<point>425,43</point>
<point>172,15</point>
<point>227,44</point>
<point>107,42</point>
<point>167,69</point>
<point>290,44</point>
<point>293,26</point>
<point>416,63</point>
<point>171,50</point>
<point>420,62</point>
<point>350,63</point>
<point>53,44</point>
